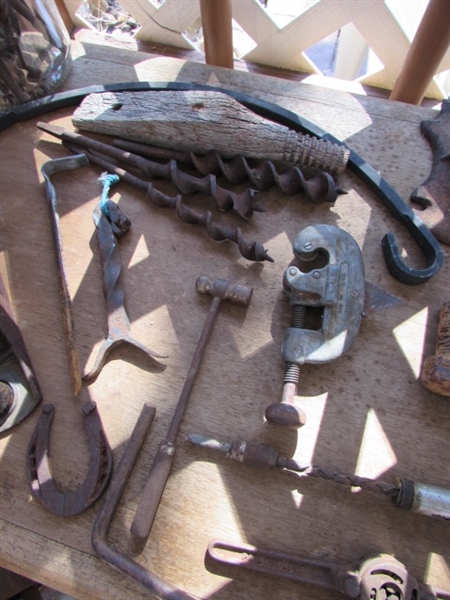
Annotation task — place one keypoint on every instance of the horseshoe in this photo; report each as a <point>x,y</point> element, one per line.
<point>43,486</point>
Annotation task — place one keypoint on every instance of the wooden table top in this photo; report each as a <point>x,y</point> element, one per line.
<point>367,411</point>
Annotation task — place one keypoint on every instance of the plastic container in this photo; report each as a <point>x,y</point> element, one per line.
<point>34,50</point>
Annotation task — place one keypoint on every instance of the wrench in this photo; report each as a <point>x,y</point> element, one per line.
<point>380,576</point>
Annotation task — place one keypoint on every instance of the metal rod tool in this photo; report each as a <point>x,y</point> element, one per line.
<point>262,174</point>
<point>251,250</point>
<point>48,169</point>
<point>221,290</point>
<point>127,566</point>
<point>243,203</point>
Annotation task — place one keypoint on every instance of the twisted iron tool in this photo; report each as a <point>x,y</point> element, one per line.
<point>321,187</point>
<point>262,455</point>
<point>253,251</point>
<point>111,223</point>
<point>428,500</point>
<point>243,203</point>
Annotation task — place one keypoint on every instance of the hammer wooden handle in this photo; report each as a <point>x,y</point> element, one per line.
<point>151,496</point>
<point>436,369</point>
<point>220,289</point>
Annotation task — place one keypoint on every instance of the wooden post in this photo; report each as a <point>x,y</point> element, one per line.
<point>65,16</point>
<point>217,32</point>
<point>426,52</point>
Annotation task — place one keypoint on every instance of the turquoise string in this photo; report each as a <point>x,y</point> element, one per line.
<point>108,180</point>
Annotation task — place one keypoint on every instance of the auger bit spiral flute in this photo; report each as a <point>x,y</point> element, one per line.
<point>251,250</point>
<point>261,174</point>
<point>243,203</point>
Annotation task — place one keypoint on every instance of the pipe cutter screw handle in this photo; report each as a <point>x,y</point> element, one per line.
<point>334,291</point>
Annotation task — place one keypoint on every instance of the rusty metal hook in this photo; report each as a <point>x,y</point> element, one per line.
<point>43,486</point>
<point>418,230</point>
<point>390,198</point>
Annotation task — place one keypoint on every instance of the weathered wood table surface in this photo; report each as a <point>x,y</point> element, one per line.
<point>367,412</point>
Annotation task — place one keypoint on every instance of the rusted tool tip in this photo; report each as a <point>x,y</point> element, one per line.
<point>223,289</point>
<point>376,299</point>
<point>340,191</point>
<point>55,130</point>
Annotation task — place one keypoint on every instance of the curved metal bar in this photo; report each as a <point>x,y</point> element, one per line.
<point>390,198</point>
<point>395,265</point>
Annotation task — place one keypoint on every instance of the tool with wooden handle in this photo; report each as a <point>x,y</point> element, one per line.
<point>220,289</point>
<point>429,500</point>
<point>436,369</point>
<point>201,121</point>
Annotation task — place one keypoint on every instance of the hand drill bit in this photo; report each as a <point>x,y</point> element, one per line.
<point>243,203</point>
<point>428,500</point>
<point>262,455</point>
<point>321,187</point>
<point>251,250</point>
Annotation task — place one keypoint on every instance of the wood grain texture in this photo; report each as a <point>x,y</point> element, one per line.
<point>367,411</point>
<point>201,121</point>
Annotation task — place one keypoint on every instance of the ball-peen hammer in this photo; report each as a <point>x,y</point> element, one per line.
<point>219,289</point>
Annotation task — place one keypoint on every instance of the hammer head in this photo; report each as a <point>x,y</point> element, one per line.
<point>223,289</point>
